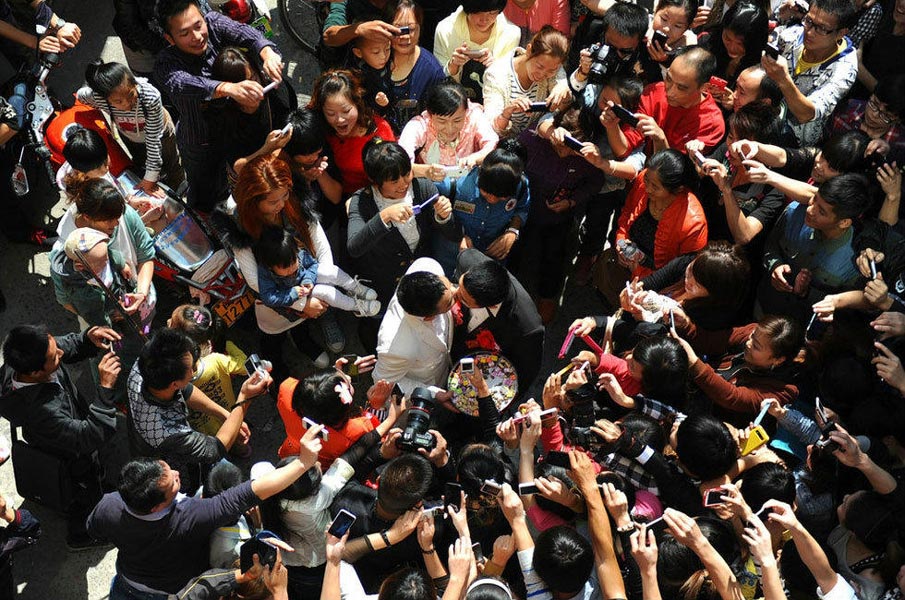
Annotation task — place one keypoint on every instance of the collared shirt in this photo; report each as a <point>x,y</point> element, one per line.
<point>188,80</point>
<point>479,315</point>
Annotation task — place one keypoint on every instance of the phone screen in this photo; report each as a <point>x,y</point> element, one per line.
<point>527,489</point>
<point>253,364</point>
<point>713,497</point>
<point>491,488</point>
<point>342,522</point>
<point>452,494</point>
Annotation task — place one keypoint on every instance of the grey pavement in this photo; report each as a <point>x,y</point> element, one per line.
<point>47,570</point>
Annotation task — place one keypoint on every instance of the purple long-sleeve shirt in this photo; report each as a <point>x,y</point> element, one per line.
<point>188,80</point>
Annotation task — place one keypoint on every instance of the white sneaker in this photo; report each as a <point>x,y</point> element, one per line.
<point>360,290</point>
<point>366,308</point>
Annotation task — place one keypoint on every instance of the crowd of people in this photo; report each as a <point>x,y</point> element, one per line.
<point>725,176</point>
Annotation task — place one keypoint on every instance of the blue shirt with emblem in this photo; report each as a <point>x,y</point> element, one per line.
<point>482,221</point>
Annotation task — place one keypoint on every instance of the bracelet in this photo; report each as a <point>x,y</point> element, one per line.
<point>369,544</point>
<point>513,230</point>
<point>626,529</point>
<point>431,551</point>
<point>386,538</point>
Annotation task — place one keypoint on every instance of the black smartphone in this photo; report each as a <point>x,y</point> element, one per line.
<point>491,488</point>
<point>398,395</point>
<point>876,159</point>
<point>659,39</point>
<point>452,495</point>
<point>432,507</point>
<point>672,320</point>
<point>658,525</point>
<point>262,546</point>
<point>350,368</point>
<point>527,489</point>
<point>625,115</point>
<point>478,553</point>
<point>712,497</point>
<point>342,522</point>
<point>558,459</point>
<point>572,143</point>
<point>771,50</point>
<point>405,30</point>
<point>764,513</point>
<point>538,107</point>
<point>253,365</point>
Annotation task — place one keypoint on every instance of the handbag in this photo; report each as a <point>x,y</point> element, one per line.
<point>609,277</point>
<point>41,477</point>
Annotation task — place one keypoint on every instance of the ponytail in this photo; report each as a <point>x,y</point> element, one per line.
<point>103,77</point>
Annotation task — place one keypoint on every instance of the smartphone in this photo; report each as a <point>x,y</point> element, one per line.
<point>474,53</point>
<point>764,513</point>
<point>286,130</point>
<point>407,103</point>
<point>756,438</point>
<point>478,553</point>
<point>873,269</point>
<point>625,115</point>
<point>324,434</point>
<point>452,495</point>
<point>263,545</point>
<point>466,365</point>
<point>713,497</point>
<point>718,82</point>
<point>342,522</point>
<point>697,157</point>
<point>398,394</point>
<point>538,107</point>
<point>672,320</point>
<point>659,39</point>
<point>572,143</point>
<point>491,488</point>
<point>876,159</point>
<point>254,365</point>
<point>558,459</point>
<point>527,489</point>
<point>350,368</point>
<point>431,507</point>
<point>658,525</point>
<point>270,86</point>
<point>524,416</point>
<point>771,50</point>
<point>405,30</point>
<point>588,372</point>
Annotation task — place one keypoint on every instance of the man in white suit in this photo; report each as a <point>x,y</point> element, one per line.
<point>416,333</point>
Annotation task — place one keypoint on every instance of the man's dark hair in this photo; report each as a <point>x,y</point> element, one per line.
<point>276,248</point>
<point>487,282</point>
<point>408,584</point>
<point>891,92</point>
<point>645,429</point>
<point>420,292</point>
<point>85,150</point>
<point>167,9</point>
<point>844,152</point>
<point>139,485</point>
<point>25,348</point>
<point>626,19</point>
<point>769,89</point>
<point>479,6</point>
<point>754,121</point>
<point>844,11</point>
<point>664,368</point>
<point>767,481</point>
<point>308,133</point>
<point>705,446</point>
<point>563,558</point>
<point>847,194</point>
<point>477,463</point>
<point>223,476</point>
<point>160,362</point>
<point>404,482</point>
<point>702,61</point>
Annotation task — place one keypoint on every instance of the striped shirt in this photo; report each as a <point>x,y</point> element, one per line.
<point>520,120</point>
<point>143,125</point>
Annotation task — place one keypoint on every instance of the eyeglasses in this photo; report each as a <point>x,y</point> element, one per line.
<point>809,23</point>
<point>883,115</point>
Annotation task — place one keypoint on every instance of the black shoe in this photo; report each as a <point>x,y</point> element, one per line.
<point>83,541</point>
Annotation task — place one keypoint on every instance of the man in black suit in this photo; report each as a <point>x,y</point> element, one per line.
<point>492,300</point>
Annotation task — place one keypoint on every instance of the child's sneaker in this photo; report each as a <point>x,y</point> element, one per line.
<point>366,308</point>
<point>359,290</point>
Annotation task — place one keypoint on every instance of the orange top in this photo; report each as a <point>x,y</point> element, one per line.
<point>338,441</point>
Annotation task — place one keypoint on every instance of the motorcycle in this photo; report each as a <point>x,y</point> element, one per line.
<point>188,252</point>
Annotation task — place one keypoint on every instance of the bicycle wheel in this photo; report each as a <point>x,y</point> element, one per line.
<point>304,20</point>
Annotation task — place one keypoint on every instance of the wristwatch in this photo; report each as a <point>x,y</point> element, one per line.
<point>513,230</point>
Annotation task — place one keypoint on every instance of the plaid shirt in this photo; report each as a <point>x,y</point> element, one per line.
<point>867,26</point>
<point>851,116</point>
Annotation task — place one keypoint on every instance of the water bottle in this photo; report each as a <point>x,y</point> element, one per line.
<point>629,250</point>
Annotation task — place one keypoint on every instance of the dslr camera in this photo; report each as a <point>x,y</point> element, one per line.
<point>416,434</point>
<point>583,417</point>
<point>605,63</point>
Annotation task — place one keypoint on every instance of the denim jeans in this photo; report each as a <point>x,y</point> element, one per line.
<point>120,590</point>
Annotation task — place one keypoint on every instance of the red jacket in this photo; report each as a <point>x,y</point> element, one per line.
<point>682,228</point>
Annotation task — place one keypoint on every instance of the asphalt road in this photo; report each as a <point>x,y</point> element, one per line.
<point>47,570</point>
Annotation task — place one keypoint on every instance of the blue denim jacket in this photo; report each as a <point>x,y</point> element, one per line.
<point>280,291</point>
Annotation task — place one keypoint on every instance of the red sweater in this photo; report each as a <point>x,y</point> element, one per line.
<point>681,229</point>
<point>702,122</point>
<point>347,154</point>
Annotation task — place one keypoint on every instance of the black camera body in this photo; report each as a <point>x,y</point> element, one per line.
<point>826,443</point>
<point>585,438</point>
<point>416,434</point>
<point>604,63</point>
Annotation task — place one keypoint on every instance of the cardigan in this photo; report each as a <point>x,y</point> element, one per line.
<point>681,229</point>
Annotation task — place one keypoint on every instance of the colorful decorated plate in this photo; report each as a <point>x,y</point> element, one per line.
<point>500,377</point>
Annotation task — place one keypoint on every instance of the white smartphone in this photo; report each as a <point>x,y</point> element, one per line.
<point>324,434</point>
